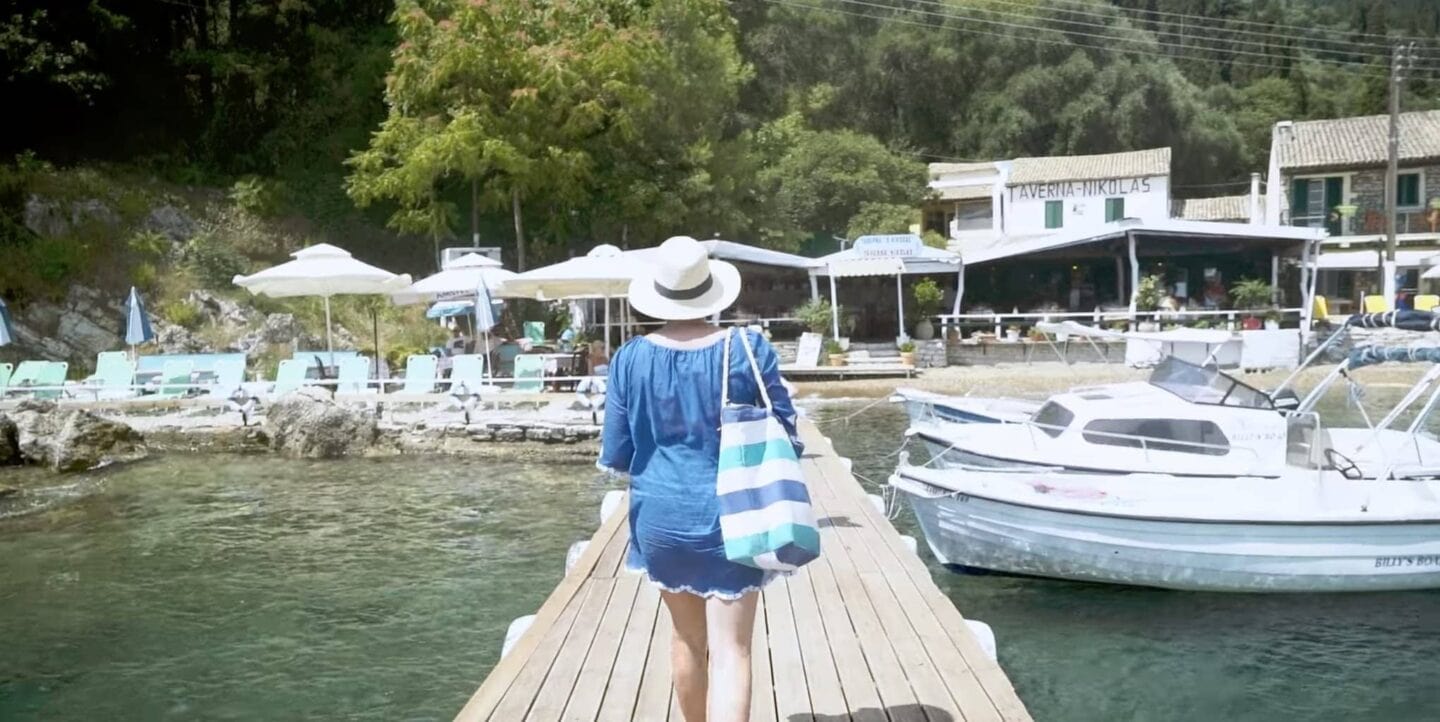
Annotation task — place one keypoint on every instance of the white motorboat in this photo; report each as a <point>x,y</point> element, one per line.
<point>1354,509</point>
<point>1185,420</point>
<point>925,406</point>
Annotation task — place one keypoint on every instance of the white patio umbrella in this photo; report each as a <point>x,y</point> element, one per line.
<point>605,272</point>
<point>457,282</point>
<point>324,270</point>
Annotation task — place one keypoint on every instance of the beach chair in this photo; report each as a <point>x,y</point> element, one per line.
<point>529,366</point>
<point>28,373</point>
<point>229,378</point>
<point>175,378</point>
<point>1376,304</point>
<point>289,377</point>
<point>5,371</point>
<point>114,376</point>
<point>1426,302</point>
<point>469,370</point>
<point>535,331</point>
<point>505,355</point>
<point>420,374</point>
<point>354,376</point>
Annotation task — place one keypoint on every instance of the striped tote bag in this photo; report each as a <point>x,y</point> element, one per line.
<point>765,515</point>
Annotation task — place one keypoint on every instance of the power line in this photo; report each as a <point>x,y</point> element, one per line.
<point>1359,47</point>
<point>954,13</point>
<point>1354,69</point>
<point>1240,21</point>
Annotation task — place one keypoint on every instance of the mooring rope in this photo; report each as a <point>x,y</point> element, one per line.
<point>846,418</point>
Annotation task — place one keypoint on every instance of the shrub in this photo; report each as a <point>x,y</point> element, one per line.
<point>815,315</point>
<point>215,262</point>
<point>833,347</point>
<point>1250,293</point>
<point>256,195</point>
<point>928,298</point>
<point>1150,293</point>
<point>907,346</point>
<point>179,313</point>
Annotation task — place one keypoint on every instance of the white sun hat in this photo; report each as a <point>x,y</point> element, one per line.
<point>682,283</point>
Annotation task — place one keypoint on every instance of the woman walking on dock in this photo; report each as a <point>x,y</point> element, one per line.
<point>662,427</point>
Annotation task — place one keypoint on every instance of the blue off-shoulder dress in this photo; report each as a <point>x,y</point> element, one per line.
<point>662,427</point>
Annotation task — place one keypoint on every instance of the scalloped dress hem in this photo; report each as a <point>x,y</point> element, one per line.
<point>770,576</point>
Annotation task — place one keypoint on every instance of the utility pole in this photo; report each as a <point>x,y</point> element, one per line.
<point>1403,60</point>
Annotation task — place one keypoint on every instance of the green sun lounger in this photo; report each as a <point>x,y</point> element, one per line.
<point>5,371</point>
<point>527,367</point>
<point>28,373</point>
<point>535,331</point>
<point>470,371</point>
<point>114,376</point>
<point>354,376</point>
<point>229,378</point>
<point>289,377</point>
<point>175,378</point>
<point>420,374</point>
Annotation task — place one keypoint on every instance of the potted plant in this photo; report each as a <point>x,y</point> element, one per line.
<point>835,352</point>
<point>1249,295</point>
<point>907,352</point>
<point>1037,335</point>
<point>1012,333</point>
<point>1272,319</point>
<point>1148,297</point>
<point>928,297</point>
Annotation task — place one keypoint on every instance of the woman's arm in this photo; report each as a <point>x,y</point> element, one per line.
<point>616,447</point>
<point>769,362</point>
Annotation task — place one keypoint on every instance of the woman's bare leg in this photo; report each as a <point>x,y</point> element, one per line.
<point>688,652</point>
<point>731,626</point>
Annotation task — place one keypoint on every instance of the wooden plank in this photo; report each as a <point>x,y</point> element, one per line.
<point>517,700</point>
<point>653,702</point>
<point>762,686</point>
<point>930,688</point>
<point>914,585</point>
<point>624,687</point>
<point>584,704</point>
<point>827,698</point>
<point>560,683</point>
<point>792,703</point>
<point>861,689</point>
<point>480,704</point>
<point>886,665</point>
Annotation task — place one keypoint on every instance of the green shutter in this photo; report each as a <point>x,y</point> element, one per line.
<point>1299,195</point>
<point>1114,209</point>
<point>1334,196</point>
<point>1054,214</point>
<point>1407,190</point>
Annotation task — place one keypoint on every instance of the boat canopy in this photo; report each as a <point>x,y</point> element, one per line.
<point>1403,320</point>
<point>1372,355</point>
<point>1209,337</point>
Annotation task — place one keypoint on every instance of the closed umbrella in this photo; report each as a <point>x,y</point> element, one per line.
<point>324,270</point>
<point>137,321</point>
<point>484,317</point>
<point>7,332</point>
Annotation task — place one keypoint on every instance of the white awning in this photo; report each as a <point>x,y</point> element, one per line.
<point>1211,337</point>
<point>1370,260</point>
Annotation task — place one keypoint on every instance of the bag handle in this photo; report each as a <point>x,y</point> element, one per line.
<point>754,368</point>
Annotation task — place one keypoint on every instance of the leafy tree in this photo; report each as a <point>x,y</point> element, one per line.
<point>882,218</point>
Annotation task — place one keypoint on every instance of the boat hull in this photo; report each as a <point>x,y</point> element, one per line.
<point>979,533</point>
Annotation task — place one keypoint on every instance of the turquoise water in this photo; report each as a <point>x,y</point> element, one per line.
<point>249,588</point>
<point>1098,653</point>
<point>244,588</point>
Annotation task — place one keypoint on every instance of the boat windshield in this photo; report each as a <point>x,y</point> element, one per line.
<point>1203,385</point>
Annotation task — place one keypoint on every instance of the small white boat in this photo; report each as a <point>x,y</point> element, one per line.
<point>925,406</point>
<point>1306,532</point>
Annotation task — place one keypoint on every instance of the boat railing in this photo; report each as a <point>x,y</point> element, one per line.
<point>1145,442</point>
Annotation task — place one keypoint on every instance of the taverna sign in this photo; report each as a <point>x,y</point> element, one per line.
<point>901,245</point>
<point>1077,189</point>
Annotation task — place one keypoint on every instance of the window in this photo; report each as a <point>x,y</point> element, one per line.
<point>1054,214</point>
<point>1052,418</point>
<point>1407,190</point>
<point>1312,199</point>
<point>973,216</point>
<point>1187,436</point>
<point>1114,209</point>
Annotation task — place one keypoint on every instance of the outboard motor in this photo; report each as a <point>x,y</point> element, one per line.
<point>1286,400</point>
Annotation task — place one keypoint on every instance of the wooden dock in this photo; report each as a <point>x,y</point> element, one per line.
<point>862,634</point>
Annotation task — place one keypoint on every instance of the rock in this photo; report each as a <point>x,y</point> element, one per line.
<point>8,491</point>
<point>510,433</point>
<point>44,218</point>
<point>172,339</point>
<point>172,223</point>
<point>71,439</point>
<point>310,425</point>
<point>92,210</point>
<point>9,443</point>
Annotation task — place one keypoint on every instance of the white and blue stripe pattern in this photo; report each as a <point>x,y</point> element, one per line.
<point>765,515</point>
<point>137,322</point>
